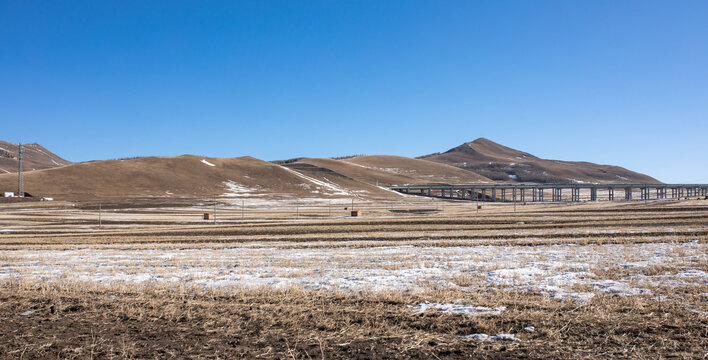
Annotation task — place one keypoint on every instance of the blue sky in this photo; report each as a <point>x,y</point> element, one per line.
<point>612,82</point>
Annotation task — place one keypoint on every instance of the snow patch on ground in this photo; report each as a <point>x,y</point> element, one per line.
<point>6,172</point>
<point>207,163</point>
<point>469,310</point>
<point>485,337</point>
<point>514,177</point>
<point>555,271</point>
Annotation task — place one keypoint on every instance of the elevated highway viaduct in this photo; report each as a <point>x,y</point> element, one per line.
<point>575,192</point>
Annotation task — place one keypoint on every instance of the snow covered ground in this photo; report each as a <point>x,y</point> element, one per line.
<point>566,271</point>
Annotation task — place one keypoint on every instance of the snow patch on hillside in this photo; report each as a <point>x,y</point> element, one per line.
<point>207,163</point>
<point>238,190</point>
<point>322,185</point>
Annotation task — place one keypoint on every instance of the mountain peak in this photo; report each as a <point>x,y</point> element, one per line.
<point>35,157</point>
<point>501,163</point>
<point>482,141</point>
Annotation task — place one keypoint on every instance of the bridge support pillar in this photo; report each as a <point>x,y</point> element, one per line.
<point>611,194</point>
<point>628,193</point>
<point>593,194</point>
<point>540,194</point>
<point>575,194</point>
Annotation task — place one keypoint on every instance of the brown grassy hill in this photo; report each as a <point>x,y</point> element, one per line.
<point>403,170</point>
<point>34,157</point>
<point>359,176</point>
<point>181,176</point>
<point>502,163</point>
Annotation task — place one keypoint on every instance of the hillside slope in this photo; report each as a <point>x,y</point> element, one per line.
<point>360,175</point>
<point>34,157</point>
<point>181,176</point>
<point>415,171</point>
<point>501,163</point>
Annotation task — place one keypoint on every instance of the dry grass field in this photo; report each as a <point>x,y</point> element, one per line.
<point>301,279</point>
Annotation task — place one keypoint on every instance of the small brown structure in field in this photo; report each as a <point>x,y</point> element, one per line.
<point>356,212</point>
<point>208,216</point>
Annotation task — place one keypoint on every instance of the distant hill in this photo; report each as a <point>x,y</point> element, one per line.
<point>34,157</point>
<point>480,161</point>
<point>184,176</point>
<point>391,170</point>
<point>501,163</point>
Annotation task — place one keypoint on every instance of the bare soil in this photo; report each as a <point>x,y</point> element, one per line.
<point>279,325</point>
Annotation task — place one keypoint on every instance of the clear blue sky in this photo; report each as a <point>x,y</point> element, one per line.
<point>613,82</point>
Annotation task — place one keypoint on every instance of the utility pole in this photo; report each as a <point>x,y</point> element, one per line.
<point>20,183</point>
<point>99,215</point>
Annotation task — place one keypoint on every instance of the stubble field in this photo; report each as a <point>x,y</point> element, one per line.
<point>303,280</point>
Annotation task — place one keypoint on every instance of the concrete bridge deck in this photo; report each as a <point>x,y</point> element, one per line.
<point>576,192</point>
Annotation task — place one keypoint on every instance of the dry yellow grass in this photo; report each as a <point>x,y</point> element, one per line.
<point>459,255</point>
